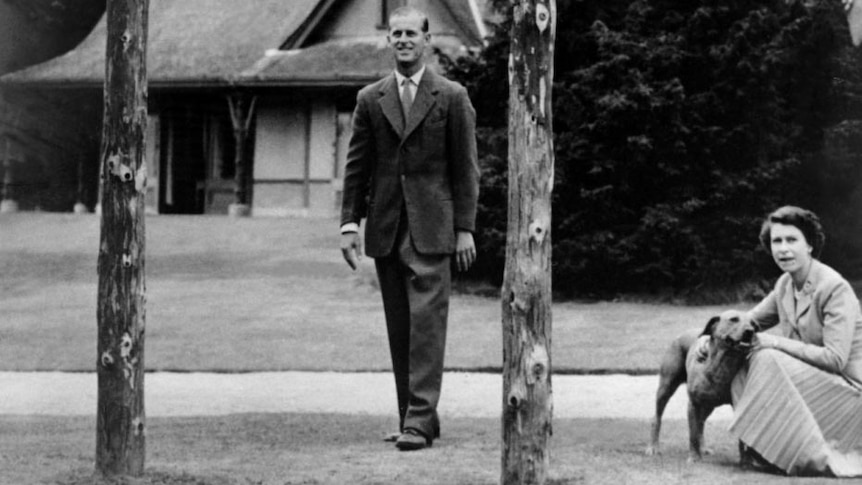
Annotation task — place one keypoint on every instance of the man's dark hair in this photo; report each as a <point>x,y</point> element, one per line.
<point>804,220</point>
<point>407,12</point>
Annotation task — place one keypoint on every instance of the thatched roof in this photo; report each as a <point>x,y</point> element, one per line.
<point>225,42</point>
<point>335,62</point>
<point>189,42</point>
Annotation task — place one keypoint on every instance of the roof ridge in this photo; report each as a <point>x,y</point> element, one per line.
<point>299,36</point>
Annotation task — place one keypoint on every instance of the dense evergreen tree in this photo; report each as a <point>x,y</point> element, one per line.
<point>678,125</point>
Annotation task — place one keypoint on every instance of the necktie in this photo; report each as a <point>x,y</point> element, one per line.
<point>406,97</point>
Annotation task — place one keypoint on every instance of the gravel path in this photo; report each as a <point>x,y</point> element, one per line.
<point>202,394</point>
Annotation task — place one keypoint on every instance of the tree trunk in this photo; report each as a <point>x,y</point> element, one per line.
<point>526,293</point>
<point>241,108</point>
<point>120,428</point>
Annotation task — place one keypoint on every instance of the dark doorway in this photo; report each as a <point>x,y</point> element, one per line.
<point>183,161</point>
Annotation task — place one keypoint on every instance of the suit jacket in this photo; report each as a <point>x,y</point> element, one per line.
<point>824,328</point>
<point>426,166</point>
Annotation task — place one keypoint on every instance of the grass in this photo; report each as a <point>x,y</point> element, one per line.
<point>282,449</point>
<point>237,295</point>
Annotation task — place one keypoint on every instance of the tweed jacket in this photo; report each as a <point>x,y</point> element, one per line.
<point>824,328</point>
<point>426,166</point>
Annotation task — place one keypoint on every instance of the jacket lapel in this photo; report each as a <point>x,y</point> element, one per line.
<point>788,303</point>
<point>425,99</point>
<point>804,302</point>
<point>390,104</point>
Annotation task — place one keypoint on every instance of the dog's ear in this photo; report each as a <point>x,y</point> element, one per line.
<point>709,325</point>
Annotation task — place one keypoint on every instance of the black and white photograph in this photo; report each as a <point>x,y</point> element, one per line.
<point>430,242</point>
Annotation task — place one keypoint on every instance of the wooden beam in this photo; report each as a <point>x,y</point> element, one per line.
<point>120,418</point>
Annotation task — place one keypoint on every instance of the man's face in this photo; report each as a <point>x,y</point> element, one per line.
<point>407,40</point>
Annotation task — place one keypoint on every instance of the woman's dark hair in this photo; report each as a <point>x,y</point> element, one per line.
<point>804,220</point>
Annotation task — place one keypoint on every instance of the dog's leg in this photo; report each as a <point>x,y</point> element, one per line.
<point>696,420</point>
<point>671,375</point>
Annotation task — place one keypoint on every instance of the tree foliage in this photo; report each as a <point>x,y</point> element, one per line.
<point>678,125</point>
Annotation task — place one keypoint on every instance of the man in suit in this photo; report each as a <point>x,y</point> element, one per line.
<point>412,172</point>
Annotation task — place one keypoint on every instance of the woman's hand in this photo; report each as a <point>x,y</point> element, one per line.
<point>701,348</point>
<point>763,341</point>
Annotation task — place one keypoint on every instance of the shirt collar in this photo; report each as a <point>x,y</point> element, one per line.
<point>415,77</point>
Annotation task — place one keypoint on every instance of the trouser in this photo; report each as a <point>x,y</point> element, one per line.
<point>415,289</point>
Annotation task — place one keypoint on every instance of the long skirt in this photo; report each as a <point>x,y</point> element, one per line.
<point>802,419</point>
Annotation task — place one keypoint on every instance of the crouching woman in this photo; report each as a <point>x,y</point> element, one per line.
<point>798,401</point>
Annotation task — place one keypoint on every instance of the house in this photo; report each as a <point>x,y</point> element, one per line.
<point>35,129</point>
<point>290,69</point>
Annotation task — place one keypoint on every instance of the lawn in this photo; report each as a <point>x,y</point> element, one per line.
<point>235,295</point>
<point>282,449</point>
<point>230,295</point>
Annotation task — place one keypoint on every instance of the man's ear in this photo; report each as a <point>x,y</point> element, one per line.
<point>709,326</point>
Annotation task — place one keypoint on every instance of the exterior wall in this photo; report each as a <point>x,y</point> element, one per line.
<point>362,18</point>
<point>295,158</point>
<point>354,18</point>
<point>322,158</point>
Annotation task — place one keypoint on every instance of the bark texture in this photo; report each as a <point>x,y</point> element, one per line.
<point>526,293</point>
<point>120,426</point>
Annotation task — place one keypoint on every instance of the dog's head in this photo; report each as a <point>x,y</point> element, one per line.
<point>732,330</point>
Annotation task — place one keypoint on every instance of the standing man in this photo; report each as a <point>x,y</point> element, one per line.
<point>412,172</point>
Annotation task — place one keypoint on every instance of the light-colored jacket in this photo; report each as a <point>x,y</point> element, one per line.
<point>427,165</point>
<point>826,328</point>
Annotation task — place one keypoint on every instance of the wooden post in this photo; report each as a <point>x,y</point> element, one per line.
<point>8,202</point>
<point>120,420</point>
<point>81,192</point>
<point>241,113</point>
<point>6,188</point>
<point>526,293</point>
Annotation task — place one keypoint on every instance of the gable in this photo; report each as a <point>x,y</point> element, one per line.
<point>348,45</point>
<point>360,19</point>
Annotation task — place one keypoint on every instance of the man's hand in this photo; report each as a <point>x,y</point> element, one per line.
<point>465,250</point>
<point>351,248</point>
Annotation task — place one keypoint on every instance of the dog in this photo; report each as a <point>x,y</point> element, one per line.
<point>707,375</point>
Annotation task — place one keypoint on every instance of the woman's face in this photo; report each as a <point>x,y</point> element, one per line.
<point>790,249</point>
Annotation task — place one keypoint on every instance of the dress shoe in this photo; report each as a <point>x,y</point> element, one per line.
<point>392,437</point>
<point>412,440</point>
